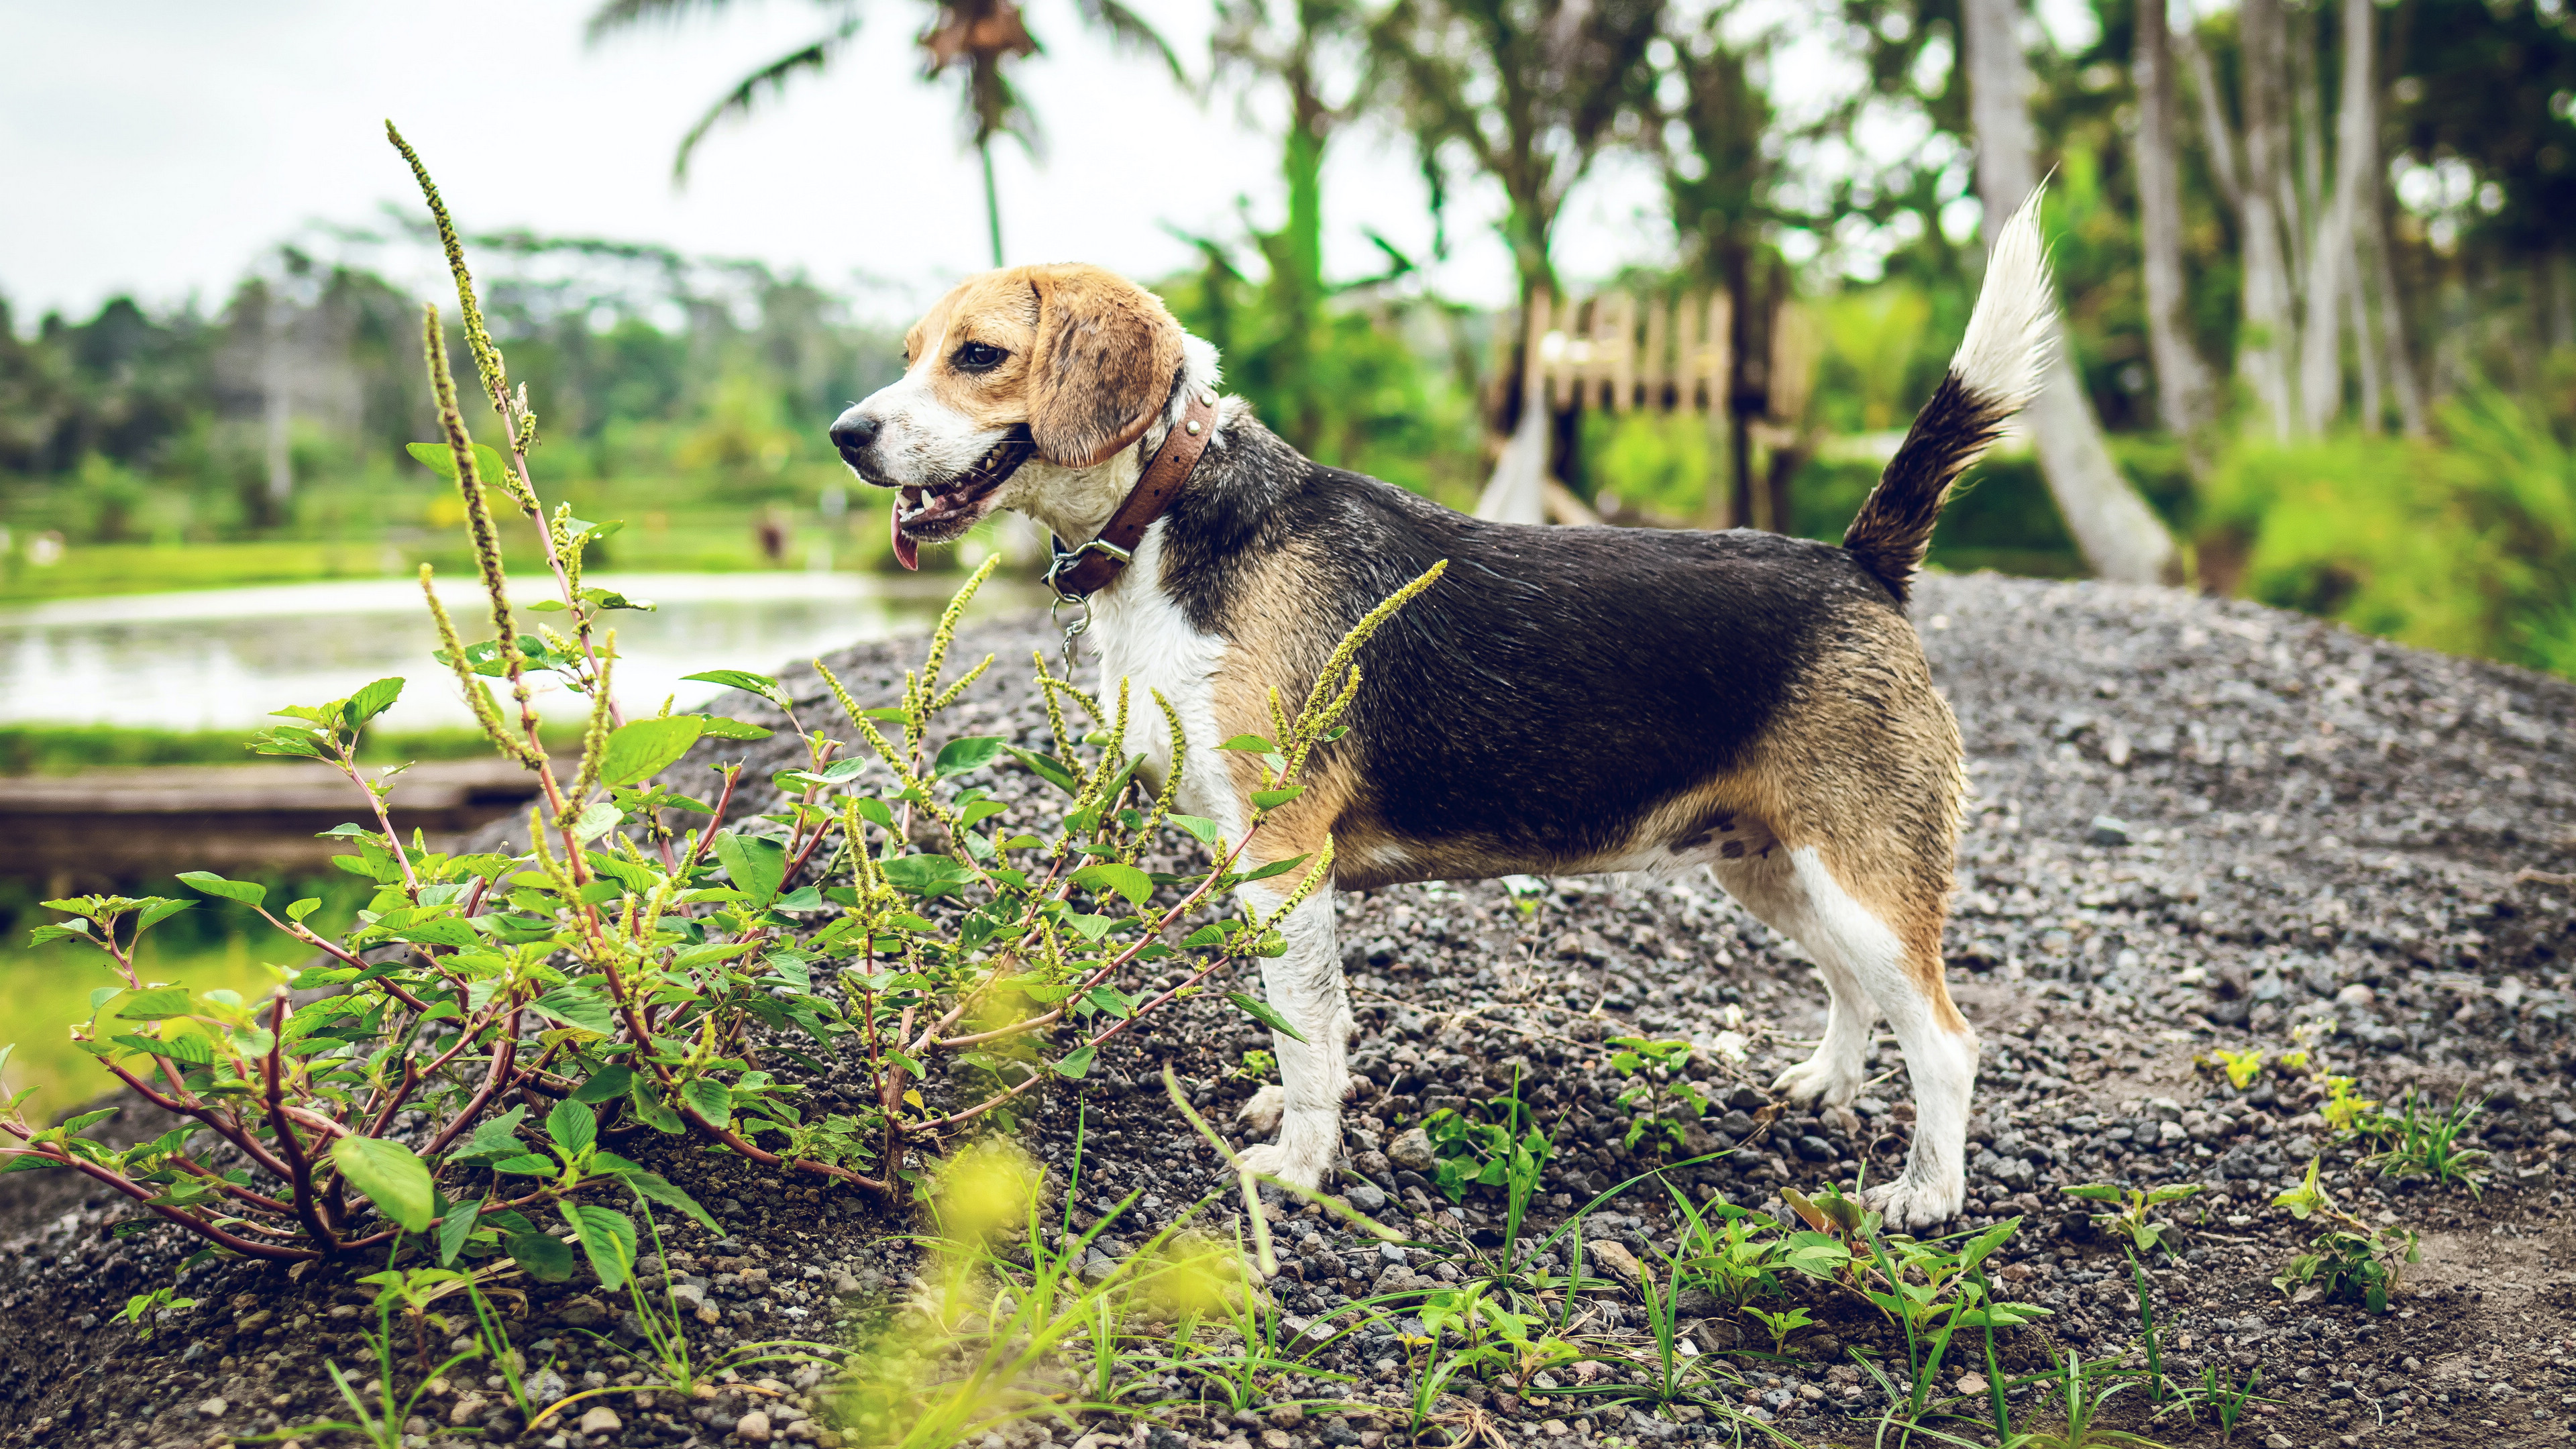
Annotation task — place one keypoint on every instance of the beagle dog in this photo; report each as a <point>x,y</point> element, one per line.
<point>1562,701</point>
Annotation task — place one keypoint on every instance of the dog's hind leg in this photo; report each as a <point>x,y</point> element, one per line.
<point>1833,1076</point>
<point>1894,958</point>
<point>1766,883</point>
<point>1305,987</point>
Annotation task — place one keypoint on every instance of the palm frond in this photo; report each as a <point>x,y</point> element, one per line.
<point>1132,31</point>
<point>616,15</point>
<point>765,82</point>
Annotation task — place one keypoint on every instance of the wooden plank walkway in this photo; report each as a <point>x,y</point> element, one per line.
<point>76,831</point>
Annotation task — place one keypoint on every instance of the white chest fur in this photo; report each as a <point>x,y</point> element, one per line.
<point>1142,636</point>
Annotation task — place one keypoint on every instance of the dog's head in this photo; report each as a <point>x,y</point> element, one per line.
<point>1070,364</point>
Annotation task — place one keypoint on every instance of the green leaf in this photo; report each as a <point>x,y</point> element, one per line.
<point>710,1099</point>
<point>580,1005</point>
<point>607,1239</point>
<point>529,1164</point>
<point>928,875</point>
<point>441,459</point>
<point>1110,999</point>
<point>973,753</point>
<point>494,1138</point>
<point>757,864</point>
<point>1276,867</point>
<point>155,1005</point>
<point>1260,1011</point>
<point>546,1259</point>
<point>660,1189</point>
<point>1255,743</point>
<point>455,1225</point>
<point>759,684</point>
<point>650,1110</point>
<point>181,1048</point>
<point>639,751</point>
<point>1272,799</point>
<point>1076,1064</point>
<point>717,727</point>
<point>605,1083</point>
<point>371,701</point>
<point>1109,877</point>
<point>388,1173</point>
<point>439,931</point>
<point>1047,768</point>
<point>1197,825</point>
<point>305,907</point>
<point>157,910</point>
<point>596,819</point>
<point>249,893</point>
<point>573,1127</point>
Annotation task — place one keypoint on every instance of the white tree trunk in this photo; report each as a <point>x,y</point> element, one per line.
<point>2398,363</point>
<point>1517,493</point>
<point>2120,537</point>
<point>2334,265</point>
<point>2270,332</point>
<point>2183,381</point>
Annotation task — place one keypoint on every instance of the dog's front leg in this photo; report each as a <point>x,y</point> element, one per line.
<point>1304,986</point>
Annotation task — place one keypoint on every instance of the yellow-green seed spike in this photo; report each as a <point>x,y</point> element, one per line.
<point>487,358</point>
<point>949,695</point>
<point>1329,679</point>
<point>478,696</point>
<point>594,740</point>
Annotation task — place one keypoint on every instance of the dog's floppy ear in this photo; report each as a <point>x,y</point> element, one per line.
<point>1107,353</point>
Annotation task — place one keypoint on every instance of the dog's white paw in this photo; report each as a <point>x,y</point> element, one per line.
<point>1275,1160</point>
<point>1819,1079</point>
<point>1911,1203</point>
<point>1263,1112</point>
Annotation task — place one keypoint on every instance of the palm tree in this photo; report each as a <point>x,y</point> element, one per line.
<point>975,38</point>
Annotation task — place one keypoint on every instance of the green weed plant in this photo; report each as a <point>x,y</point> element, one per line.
<point>651,958</point>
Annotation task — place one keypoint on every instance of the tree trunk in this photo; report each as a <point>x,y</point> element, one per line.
<point>2183,381</point>
<point>2120,537</point>
<point>2399,362</point>
<point>992,201</point>
<point>2269,331</point>
<point>2334,259</point>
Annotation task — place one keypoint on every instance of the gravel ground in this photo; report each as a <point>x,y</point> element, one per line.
<point>2195,824</point>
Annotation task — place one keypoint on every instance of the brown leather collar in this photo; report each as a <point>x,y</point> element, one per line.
<point>1079,573</point>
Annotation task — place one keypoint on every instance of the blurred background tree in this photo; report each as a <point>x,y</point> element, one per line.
<point>976,40</point>
<point>2319,315</point>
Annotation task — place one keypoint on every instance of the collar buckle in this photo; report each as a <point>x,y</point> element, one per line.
<point>1067,558</point>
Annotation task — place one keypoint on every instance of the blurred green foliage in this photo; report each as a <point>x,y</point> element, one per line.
<point>2464,541</point>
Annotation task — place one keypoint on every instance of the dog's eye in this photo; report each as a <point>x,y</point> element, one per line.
<point>978,357</point>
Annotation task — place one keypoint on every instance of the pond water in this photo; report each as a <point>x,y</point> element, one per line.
<point>223,659</point>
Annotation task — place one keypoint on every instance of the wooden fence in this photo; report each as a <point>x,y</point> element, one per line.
<point>1613,351</point>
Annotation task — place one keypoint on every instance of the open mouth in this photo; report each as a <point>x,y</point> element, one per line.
<point>925,514</point>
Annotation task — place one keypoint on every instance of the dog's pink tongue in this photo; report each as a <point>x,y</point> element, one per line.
<point>906,552</point>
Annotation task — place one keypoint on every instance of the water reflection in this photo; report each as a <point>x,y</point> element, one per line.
<point>222,659</point>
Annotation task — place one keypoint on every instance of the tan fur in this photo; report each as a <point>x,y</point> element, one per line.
<point>1863,761</point>
<point>1091,357</point>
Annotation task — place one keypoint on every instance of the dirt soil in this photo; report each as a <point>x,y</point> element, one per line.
<point>2195,824</point>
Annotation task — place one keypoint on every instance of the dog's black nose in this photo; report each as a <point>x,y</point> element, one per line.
<point>854,431</point>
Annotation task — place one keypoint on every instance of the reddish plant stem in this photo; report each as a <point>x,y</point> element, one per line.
<point>215,1122</point>
<point>261,1201</point>
<point>493,1080</point>
<point>393,1102</point>
<point>209,1231</point>
<point>299,1170</point>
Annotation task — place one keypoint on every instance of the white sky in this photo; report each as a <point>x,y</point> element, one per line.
<point>158,147</point>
